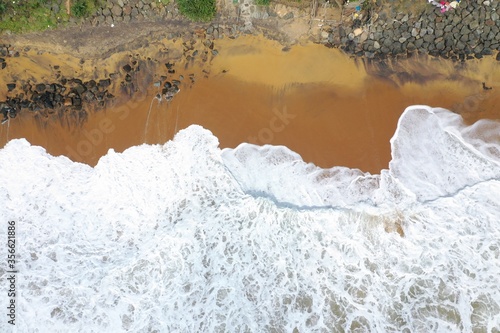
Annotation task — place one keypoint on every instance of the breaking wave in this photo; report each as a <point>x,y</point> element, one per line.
<point>185,237</point>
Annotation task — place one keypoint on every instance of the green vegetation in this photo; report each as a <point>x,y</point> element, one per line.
<point>367,5</point>
<point>262,2</point>
<point>82,8</point>
<point>38,15</point>
<point>3,7</point>
<point>26,15</point>
<point>197,10</point>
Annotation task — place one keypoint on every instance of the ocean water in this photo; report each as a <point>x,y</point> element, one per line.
<point>186,237</point>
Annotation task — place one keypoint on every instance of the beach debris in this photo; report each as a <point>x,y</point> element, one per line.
<point>445,6</point>
<point>485,87</point>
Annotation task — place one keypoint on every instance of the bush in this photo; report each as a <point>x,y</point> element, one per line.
<point>3,7</point>
<point>262,2</point>
<point>197,10</point>
<point>80,8</point>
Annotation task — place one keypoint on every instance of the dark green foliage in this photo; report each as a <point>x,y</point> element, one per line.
<point>262,2</point>
<point>80,8</point>
<point>197,10</point>
<point>367,5</point>
<point>3,7</point>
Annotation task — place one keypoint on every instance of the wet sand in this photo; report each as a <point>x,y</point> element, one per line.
<point>331,109</point>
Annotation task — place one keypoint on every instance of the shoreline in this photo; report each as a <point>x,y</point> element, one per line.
<point>343,111</point>
<point>344,103</point>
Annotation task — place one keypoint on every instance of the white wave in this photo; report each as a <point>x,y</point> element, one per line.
<point>185,237</point>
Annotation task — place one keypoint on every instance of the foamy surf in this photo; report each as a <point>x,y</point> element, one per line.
<point>185,237</point>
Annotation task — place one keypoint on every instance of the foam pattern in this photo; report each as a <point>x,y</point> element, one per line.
<point>185,237</point>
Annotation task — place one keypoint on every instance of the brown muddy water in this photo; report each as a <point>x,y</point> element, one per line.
<point>330,108</point>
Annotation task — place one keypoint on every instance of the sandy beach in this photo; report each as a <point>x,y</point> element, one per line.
<point>332,109</point>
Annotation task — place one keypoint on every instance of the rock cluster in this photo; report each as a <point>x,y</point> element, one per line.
<point>470,31</point>
<point>4,52</point>
<point>115,11</point>
<point>76,96</point>
<point>47,98</point>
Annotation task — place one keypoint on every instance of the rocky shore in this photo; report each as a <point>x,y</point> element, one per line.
<point>472,30</point>
<point>73,98</point>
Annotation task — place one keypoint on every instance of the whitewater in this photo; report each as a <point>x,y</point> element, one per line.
<point>188,237</point>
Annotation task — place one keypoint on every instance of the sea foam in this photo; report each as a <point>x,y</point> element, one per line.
<point>185,237</point>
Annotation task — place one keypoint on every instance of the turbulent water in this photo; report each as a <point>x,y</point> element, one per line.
<point>185,237</point>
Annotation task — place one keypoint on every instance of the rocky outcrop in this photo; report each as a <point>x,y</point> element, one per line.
<point>472,30</point>
<point>115,11</point>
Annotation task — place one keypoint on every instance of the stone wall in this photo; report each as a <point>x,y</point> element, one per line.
<point>115,11</point>
<point>471,30</point>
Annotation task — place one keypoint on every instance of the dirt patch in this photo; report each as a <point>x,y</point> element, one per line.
<point>99,42</point>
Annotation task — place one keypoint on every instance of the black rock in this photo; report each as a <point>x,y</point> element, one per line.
<point>89,96</point>
<point>127,68</point>
<point>11,86</point>
<point>3,65</point>
<point>498,56</point>
<point>80,88</point>
<point>12,113</point>
<point>24,104</point>
<point>5,111</point>
<point>434,53</point>
<point>104,83</point>
<point>76,101</point>
<point>40,87</point>
<point>48,100</point>
<point>91,84</point>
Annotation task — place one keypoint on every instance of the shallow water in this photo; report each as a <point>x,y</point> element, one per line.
<point>329,108</point>
<point>187,237</point>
